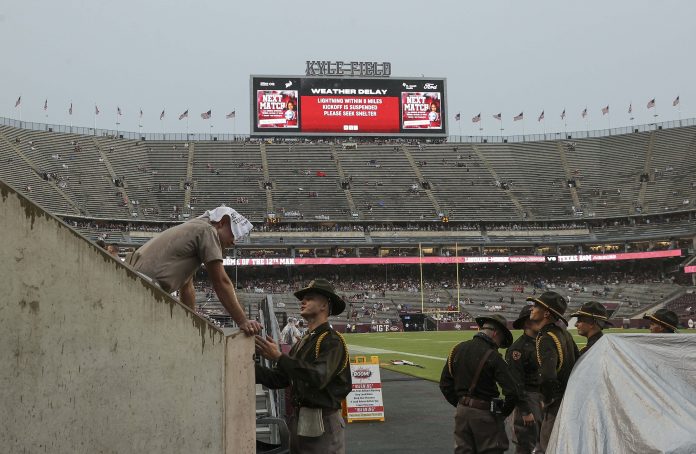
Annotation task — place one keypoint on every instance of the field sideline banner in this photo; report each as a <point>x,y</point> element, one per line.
<point>450,260</point>
<point>364,402</point>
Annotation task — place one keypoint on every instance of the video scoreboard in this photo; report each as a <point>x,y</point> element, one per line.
<point>350,106</point>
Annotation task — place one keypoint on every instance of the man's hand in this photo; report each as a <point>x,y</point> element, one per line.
<point>250,327</point>
<point>528,419</point>
<point>267,348</point>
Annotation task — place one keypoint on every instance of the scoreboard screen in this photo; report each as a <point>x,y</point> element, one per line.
<point>316,106</point>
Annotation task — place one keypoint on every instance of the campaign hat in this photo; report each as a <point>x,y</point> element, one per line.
<point>324,287</point>
<point>595,310</point>
<point>552,301</point>
<point>664,317</point>
<point>500,321</point>
<point>523,317</point>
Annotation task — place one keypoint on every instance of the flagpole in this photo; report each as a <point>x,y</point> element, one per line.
<point>187,125</point>
<point>679,110</point>
<point>420,263</point>
<point>456,262</point>
<point>523,127</point>
<point>460,126</point>
<point>609,120</point>
<point>95,119</point>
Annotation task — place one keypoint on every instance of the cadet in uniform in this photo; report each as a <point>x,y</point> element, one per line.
<point>521,356</point>
<point>556,354</point>
<point>317,370</point>
<point>662,321</point>
<point>469,382</point>
<point>592,319</point>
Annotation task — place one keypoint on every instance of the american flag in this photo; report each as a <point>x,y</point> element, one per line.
<point>70,109</point>
<point>630,108</point>
<point>518,117</point>
<point>605,110</point>
<point>183,115</point>
<point>458,117</point>
<point>231,114</point>
<point>498,116</point>
<point>206,115</point>
<point>563,115</point>
<point>584,112</point>
<point>651,103</point>
<point>118,111</point>
<point>675,103</point>
<point>19,101</point>
<point>46,105</point>
<point>541,117</point>
<point>96,110</point>
<point>162,115</point>
<point>477,118</point>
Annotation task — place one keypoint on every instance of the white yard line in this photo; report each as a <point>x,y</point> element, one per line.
<point>359,349</point>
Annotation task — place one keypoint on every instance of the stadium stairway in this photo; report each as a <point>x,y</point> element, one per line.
<point>646,170</point>
<point>103,360</point>
<point>70,204</point>
<point>349,197</point>
<point>521,211</point>
<point>568,174</point>
<point>123,187</point>
<point>421,179</point>
<point>189,176</point>
<point>266,178</point>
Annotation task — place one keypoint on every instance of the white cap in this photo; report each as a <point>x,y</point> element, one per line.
<point>239,225</point>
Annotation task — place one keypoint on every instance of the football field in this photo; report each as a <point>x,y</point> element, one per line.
<point>427,350</point>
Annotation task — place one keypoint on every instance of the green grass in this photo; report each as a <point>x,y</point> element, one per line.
<point>435,344</point>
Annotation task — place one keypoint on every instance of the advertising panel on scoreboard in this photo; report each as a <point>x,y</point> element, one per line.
<point>277,109</point>
<point>421,110</point>
<point>320,106</point>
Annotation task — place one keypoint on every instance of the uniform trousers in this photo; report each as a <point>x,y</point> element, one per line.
<point>550,413</point>
<point>478,431</point>
<point>332,441</point>
<point>526,438</point>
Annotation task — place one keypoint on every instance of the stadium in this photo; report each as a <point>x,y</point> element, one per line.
<point>352,174</point>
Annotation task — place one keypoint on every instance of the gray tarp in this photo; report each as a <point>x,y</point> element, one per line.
<point>631,393</point>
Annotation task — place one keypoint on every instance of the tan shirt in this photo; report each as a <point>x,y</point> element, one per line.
<point>172,257</point>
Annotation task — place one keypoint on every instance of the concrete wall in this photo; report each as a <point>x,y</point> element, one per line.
<point>95,359</point>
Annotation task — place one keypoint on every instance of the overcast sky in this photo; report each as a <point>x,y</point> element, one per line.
<point>498,56</point>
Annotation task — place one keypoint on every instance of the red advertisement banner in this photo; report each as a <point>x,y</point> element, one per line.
<point>337,113</point>
<point>421,110</point>
<point>690,269</point>
<point>277,109</point>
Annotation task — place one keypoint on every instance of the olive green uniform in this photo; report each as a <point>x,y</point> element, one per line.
<point>317,370</point>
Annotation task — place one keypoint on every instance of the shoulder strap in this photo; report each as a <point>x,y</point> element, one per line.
<point>474,382</point>
<point>345,348</point>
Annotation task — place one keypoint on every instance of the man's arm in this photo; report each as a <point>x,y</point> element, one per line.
<point>225,292</point>
<point>187,294</point>
<point>447,380</point>
<point>547,369</point>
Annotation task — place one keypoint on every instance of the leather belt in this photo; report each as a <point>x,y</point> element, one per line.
<point>475,403</point>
